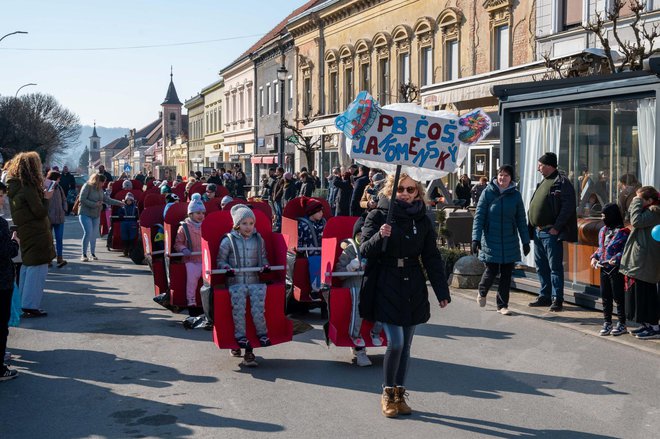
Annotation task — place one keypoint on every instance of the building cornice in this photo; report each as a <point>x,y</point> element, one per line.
<point>327,14</point>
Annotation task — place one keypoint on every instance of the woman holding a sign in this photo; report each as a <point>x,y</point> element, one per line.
<point>394,290</point>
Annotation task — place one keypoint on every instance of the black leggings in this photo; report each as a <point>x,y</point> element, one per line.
<point>395,365</point>
<point>611,290</point>
<point>503,287</point>
<point>5,312</point>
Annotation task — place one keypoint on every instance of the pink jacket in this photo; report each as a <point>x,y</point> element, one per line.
<point>195,230</point>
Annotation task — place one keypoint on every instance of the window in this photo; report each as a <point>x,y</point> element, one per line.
<point>404,68</point>
<point>571,14</point>
<point>268,98</point>
<point>334,92</point>
<point>451,60</point>
<point>384,81</point>
<point>365,77</point>
<point>207,116</point>
<point>261,101</point>
<point>348,87</point>
<point>241,108</point>
<point>426,68</point>
<point>276,98</point>
<point>501,52</point>
<point>307,98</point>
<point>234,117</point>
<point>290,93</point>
<point>172,116</point>
<point>220,119</point>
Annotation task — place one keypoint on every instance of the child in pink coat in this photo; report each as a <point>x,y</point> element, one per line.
<point>189,242</point>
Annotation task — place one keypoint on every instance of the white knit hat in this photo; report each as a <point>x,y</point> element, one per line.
<point>196,204</point>
<point>239,212</point>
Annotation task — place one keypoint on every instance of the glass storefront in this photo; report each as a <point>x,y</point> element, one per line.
<point>606,149</point>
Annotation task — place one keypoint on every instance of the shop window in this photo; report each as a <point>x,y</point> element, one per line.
<point>426,67</point>
<point>571,13</point>
<point>502,48</point>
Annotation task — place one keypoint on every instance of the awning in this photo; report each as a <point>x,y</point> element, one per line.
<point>264,159</point>
<point>320,127</point>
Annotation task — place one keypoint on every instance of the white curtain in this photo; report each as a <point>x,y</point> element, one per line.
<point>539,133</point>
<point>646,131</point>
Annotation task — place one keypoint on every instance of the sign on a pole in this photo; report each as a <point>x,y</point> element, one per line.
<point>405,134</point>
<point>127,168</point>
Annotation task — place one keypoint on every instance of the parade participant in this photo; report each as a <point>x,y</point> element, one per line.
<point>209,194</point>
<point>310,233</point>
<point>351,260</point>
<point>499,226</point>
<point>640,264</point>
<point>92,198</point>
<point>189,240</point>
<point>8,250</point>
<point>369,199</point>
<point>344,192</point>
<point>57,208</point>
<point>242,248</point>
<point>126,185</point>
<point>394,290</point>
<point>170,200</point>
<point>128,215</point>
<point>225,201</point>
<point>612,238</point>
<point>29,211</point>
<point>553,221</point>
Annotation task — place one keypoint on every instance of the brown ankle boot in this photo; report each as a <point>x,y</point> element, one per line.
<point>387,401</point>
<point>400,400</point>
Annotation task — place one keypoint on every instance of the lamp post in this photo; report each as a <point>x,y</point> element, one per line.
<point>13,33</point>
<point>24,85</point>
<point>281,76</point>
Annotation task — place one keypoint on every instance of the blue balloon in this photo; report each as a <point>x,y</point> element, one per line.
<point>655,233</point>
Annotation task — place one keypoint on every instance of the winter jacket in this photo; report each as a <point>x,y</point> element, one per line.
<point>463,192</point>
<point>278,190</point>
<point>67,182</point>
<point>347,256</point>
<point>289,191</point>
<point>563,201</point>
<point>310,234</point>
<point>128,227</point>
<point>642,253</point>
<point>240,187</point>
<point>195,243</point>
<point>498,222</point>
<point>8,251</point>
<point>394,290</point>
<point>248,252</point>
<point>307,188</point>
<point>29,211</point>
<point>358,189</point>
<point>57,206</point>
<point>343,197</point>
<point>89,197</point>
<point>611,243</point>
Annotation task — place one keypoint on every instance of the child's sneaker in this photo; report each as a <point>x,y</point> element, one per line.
<point>376,340</point>
<point>361,358</point>
<point>244,343</point>
<point>249,360</point>
<point>7,374</point>
<point>264,341</point>
<point>619,329</point>
<point>84,258</point>
<point>94,258</point>
<point>236,353</point>
<point>607,329</point>
<point>358,341</point>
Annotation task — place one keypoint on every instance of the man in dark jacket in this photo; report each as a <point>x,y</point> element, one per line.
<point>359,186</point>
<point>102,171</point>
<point>215,178</point>
<point>552,219</point>
<point>68,183</point>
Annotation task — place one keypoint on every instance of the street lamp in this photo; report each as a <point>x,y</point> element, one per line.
<point>13,33</point>
<point>281,75</point>
<point>24,85</point>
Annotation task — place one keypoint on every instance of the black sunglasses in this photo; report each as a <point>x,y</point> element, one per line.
<point>409,189</point>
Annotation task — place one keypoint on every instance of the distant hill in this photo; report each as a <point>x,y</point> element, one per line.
<point>107,135</point>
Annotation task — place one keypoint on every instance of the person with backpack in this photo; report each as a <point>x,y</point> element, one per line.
<point>242,248</point>
<point>128,215</point>
<point>189,241</point>
<point>310,232</point>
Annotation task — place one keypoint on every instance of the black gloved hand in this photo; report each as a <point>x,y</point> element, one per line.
<point>230,272</point>
<point>526,249</point>
<point>265,269</point>
<point>476,246</point>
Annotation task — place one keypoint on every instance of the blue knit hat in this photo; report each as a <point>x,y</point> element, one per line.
<point>196,204</point>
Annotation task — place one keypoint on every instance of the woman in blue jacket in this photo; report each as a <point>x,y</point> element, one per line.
<point>498,222</point>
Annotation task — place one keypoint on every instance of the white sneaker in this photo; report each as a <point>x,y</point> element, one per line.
<point>358,341</point>
<point>376,340</point>
<point>504,311</point>
<point>84,258</point>
<point>94,258</point>
<point>361,358</point>
<point>481,300</point>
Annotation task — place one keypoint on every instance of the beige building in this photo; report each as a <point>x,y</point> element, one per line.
<point>195,145</point>
<point>213,96</point>
<point>453,51</point>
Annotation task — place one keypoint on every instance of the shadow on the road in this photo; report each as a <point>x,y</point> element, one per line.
<point>451,378</point>
<point>455,332</point>
<point>496,429</point>
<point>114,415</point>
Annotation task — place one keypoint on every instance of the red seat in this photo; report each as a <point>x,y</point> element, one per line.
<point>180,191</point>
<point>116,243</point>
<point>151,220</point>
<point>153,199</point>
<point>177,268</point>
<point>336,230</point>
<point>280,329</point>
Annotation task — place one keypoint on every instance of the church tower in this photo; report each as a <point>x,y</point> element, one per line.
<point>94,148</point>
<point>171,117</point>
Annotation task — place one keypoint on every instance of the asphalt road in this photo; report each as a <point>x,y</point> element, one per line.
<point>108,363</point>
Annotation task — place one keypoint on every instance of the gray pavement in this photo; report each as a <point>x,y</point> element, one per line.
<point>108,363</point>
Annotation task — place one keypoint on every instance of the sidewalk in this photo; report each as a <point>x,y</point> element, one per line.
<point>584,320</point>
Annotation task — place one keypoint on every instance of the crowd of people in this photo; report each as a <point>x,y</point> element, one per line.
<point>397,257</point>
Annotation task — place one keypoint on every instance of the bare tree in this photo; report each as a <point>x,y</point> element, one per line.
<point>408,92</point>
<point>36,122</point>
<point>303,143</point>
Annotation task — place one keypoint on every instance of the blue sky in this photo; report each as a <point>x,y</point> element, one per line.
<point>125,87</point>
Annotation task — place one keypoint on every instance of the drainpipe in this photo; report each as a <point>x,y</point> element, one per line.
<point>322,96</point>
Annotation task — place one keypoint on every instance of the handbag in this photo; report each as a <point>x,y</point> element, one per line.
<point>76,205</point>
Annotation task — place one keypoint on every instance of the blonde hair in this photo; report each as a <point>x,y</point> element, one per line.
<point>96,180</point>
<point>26,167</point>
<point>388,187</point>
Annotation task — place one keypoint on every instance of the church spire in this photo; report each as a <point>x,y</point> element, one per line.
<point>94,132</point>
<point>171,97</point>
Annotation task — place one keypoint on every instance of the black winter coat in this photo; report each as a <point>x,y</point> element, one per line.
<point>393,294</point>
<point>360,185</point>
<point>8,250</point>
<point>343,196</point>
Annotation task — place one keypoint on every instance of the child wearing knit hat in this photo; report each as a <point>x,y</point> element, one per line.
<point>244,247</point>
<point>128,228</point>
<point>189,242</point>
<point>310,232</point>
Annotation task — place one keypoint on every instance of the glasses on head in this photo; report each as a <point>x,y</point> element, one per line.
<point>409,189</point>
